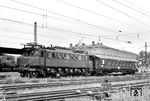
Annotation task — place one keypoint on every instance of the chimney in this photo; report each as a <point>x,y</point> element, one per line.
<point>71,45</point>
<point>83,44</point>
<point>93,43</point>
<point>35,33</point>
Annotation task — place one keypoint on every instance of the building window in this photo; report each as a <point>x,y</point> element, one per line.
<point>103,61</point>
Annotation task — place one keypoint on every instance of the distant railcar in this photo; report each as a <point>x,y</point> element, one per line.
<point>7,63</point>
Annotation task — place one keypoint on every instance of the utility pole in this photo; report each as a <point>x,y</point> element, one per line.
<point>35,33</point>
<point>146,54</point>
<point>99,38</point>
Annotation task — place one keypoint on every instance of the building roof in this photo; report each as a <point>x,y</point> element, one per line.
<point>100,45</point>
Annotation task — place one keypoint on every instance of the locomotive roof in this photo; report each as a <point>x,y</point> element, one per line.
<point>100,45</point>
<point>63,51</point>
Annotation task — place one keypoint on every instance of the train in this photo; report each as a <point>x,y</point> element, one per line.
<point>7,63</point>
<point>38,60</point>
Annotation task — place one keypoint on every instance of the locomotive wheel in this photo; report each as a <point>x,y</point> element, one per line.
<point>22,74</point>
<point>33,74</point>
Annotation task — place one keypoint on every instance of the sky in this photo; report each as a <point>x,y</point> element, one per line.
<point>114,23</point>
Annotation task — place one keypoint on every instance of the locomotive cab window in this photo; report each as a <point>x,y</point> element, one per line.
<point>42,53</point>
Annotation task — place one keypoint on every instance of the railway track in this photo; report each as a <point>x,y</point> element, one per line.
<point>48,84</point>
<point>62,94</point>
<point>60,82</point>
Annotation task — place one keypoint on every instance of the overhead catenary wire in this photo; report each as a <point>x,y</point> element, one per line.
<point>137,7</point>
<point>75,20</point>
<point>71,18</point>
<point>41,35</point>
<point>51,28</point>
<point>131,8</point>
<point>95,13</point>
<point>129,34</point>
<point>71,32</point>
<point>55,29</point>
<point>123,13</point>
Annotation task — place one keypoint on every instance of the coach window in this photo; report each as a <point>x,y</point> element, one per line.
<point>86,58</point>
<point>128,64</point>
<point>67,56</point>
<point>103,61</point>
<point>109,62</point>
<point>123,63</point>
<point>120,63</point>
<point>79,57</point>
<point>114,63</point>
<point>117,63</point>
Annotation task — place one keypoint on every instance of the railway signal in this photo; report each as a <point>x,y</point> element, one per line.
<point>136,91</point>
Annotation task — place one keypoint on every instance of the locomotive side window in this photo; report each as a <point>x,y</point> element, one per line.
<point>42,54</point>
<point>62,56</point>
<point>49,55</point>
<point>59,55</point>
<point>53,55</point>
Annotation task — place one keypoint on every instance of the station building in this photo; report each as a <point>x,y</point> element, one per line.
<point>103,51</point>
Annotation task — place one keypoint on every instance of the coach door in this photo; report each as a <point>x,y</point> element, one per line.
<point>43,58</point>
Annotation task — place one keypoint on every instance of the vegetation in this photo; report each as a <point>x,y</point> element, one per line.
<point>7,63</point>
<point>142,59</point>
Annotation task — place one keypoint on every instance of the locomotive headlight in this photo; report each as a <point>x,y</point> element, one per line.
<point>78,91</point>
<point>89,92</point>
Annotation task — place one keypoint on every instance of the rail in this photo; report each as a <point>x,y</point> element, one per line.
<point>62,94</point>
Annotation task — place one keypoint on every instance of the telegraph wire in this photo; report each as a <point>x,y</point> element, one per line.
<point>34,13</point>
<point>123,13</point>
<point>54,29</point>
<point>42,35</point>
<point>137,7</point>
<point>6,42</point>
<point>79,21</point>
<point>93,13</point>
<point>40,14</point>
<point>20,10</point>
<point>71,18</point>
<point>12,37</point>
<point>98,14</point>
<point>130,8</point>
<point>43,9</point>
<point>50,28</point>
